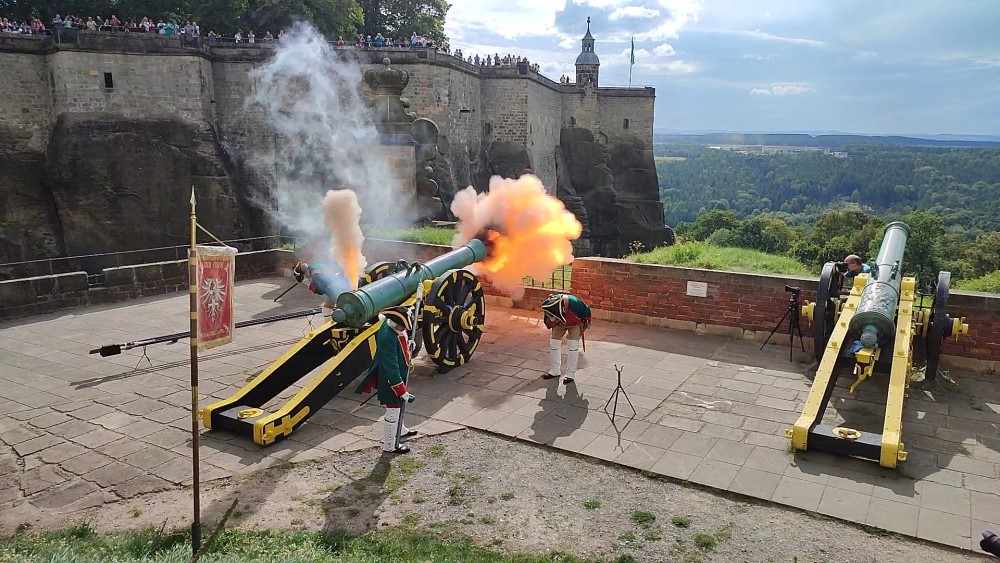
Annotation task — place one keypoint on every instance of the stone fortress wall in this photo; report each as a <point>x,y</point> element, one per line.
<point>473,107</point>
<point>100,130</point>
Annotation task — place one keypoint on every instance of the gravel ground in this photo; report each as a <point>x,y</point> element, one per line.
<point>515,497</point>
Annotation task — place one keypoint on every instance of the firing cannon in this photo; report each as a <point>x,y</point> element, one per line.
<point>873,325</point>
<point>446,302</point>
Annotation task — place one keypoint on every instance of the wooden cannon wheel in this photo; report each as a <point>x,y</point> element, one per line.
<point>941,325</point>
<point>453,315</point>
<point>825,311</point>
<point>377,271</point>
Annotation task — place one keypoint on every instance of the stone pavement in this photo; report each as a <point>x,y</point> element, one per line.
<point>81,430</point>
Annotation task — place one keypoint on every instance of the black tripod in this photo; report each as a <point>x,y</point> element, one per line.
<point>793,322</point>
<point>614,396</point>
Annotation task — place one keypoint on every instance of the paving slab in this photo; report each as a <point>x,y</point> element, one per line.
<point>79,430</point>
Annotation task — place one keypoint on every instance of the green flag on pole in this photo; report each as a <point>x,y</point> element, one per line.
<point>631,63</point>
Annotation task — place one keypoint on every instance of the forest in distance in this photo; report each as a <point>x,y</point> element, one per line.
<point>817,207</point>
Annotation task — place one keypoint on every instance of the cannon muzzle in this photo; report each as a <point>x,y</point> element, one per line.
<point>875,319</point>
<point>358,307</point>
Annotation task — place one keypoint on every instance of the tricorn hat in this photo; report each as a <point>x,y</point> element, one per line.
<point>400,316</point>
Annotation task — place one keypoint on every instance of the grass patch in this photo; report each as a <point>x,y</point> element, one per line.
<point>507,496</point>
<point>80,544</point>
<point>875,531</point>
<point>681,521</point>
<point>628,537</point>
<point>400,473</point>
<point>709,257</point>
<point>643,518</point>
<point>625,558</point>
<point>990,283</point>
<point>423,235</point>
<point>592,504</point>
<point>456,495</point>
<point>652,535</point>
<point>704,541</point>
<point>437,450</point>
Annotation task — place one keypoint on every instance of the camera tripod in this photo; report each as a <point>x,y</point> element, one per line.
<point>792,313</point>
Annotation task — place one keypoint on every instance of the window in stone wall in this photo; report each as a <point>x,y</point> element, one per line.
<point>109,81</point>
<point>487,128</point>
<point>572,121</point>
<point>625,124</point>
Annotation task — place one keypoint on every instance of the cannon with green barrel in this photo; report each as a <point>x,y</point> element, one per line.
<point>870,327</point>
<point>445,301</point>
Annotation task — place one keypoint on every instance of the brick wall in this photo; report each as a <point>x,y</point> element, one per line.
<point>737,305</point>
<point>749,305</point>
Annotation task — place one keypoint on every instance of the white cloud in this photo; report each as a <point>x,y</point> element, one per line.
<point>783,89</point>
<point>765,36</point>
<point>754,57</point>
<point>633,12</point>
<point>508,18</point>
<point>671,67</point>
<point>664,50</point>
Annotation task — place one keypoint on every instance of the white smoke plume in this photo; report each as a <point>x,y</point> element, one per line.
<point>342,216</point>
<point>311,98</point>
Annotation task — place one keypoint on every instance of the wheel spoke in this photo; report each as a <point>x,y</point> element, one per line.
<point>463,345</point>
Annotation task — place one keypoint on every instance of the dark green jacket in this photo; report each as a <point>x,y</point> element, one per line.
<point>564,309</point>
<point>387,374</point>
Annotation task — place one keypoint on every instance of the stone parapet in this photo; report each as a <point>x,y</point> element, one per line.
<point>737,305</point>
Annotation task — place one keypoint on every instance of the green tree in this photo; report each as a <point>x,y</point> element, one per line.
<point>401,18</point>
<point>332,18</point>
<point>920,259</point>
<point>984,256</point>
<point>764,234</point>
<point>710,222</point>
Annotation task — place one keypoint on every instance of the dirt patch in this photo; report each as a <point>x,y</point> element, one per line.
<point>514,497</point>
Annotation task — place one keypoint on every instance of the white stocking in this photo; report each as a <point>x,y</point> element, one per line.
<point>389,423</point>
<point>555,353</point>
<point>572,358</point>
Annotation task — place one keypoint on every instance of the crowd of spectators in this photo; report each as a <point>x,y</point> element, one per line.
<point>35,26</point>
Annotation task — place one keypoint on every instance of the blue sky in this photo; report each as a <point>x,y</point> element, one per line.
<point>871,67</point>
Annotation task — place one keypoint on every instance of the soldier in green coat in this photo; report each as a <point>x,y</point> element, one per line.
<point>565,315</point>
<point>388,374</point>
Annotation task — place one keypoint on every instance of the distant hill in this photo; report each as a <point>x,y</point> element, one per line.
<point>837,141</point>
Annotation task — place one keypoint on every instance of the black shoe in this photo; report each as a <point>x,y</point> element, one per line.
<point>410,434</point>
<point>990,543</point>
<point>548,375</point>
<point>399,450</point>
<point>567,380</point>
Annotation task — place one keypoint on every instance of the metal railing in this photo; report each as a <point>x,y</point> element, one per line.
<point>558,280</point>
<point>94,264</point>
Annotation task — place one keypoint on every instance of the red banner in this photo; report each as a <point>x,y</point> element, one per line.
<point>216,278</point>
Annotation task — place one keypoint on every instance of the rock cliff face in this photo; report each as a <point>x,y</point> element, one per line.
<point>110,184</point>
<point>613,191</point>
<point>29,224</point>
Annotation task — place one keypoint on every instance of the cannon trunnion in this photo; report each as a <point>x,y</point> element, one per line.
<point>445,301</point>
<point>871,325</point>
